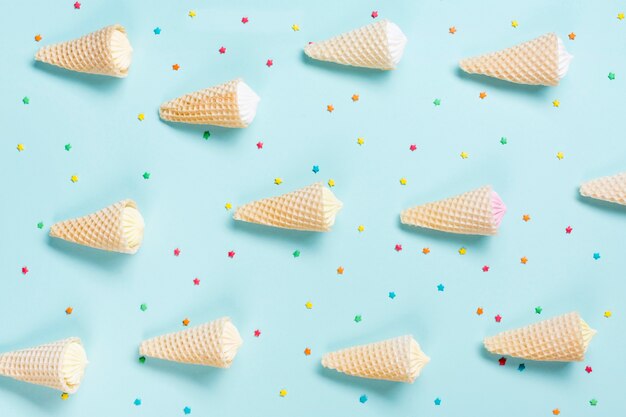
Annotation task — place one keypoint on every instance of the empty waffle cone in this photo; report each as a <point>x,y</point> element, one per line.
<point>117,228</point>
<point>564,339</point>
<point>399,359</point>
<point>211,344</point>
<point>379,45</point>
<point>106,51</point>
<point>232,104</point>
<point>612,188</point>
<point>541,61</point>
<point>477,212</point>
<point>59,365</point>
<point>311,208</point>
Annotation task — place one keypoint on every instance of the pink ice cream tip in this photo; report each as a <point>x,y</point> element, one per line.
<point>498,208</point>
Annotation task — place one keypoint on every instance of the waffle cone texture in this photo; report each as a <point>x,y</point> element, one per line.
<point>103,229</point>
<point>312,208</point>
<point>469,213</point>
<point>210,344</point>
<point>535,62</point>
<point>563,339</point>
<point>217,106</point>
<point>39,365</point>
<point>92,53</point>
<point>611,188</point>
<point>367,47</point>
<point>399,359</point>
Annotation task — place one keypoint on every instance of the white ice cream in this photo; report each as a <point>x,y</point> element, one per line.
<point>231,341</point>
<point>564,59</point>
<point>330,205</point>
<point>396,42</point>
<point>121,51</point>
<point>73,365</point>
<point>247,101</point>
<point>588,333</point>
<point>132,226</point>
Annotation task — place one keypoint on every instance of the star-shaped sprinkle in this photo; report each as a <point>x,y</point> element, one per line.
<point>486,268</point>
<point>40,225</point>
<point>620,16</point>
<point>295,27</point>
<point>146,175</point>
<point>259,145</point>
<point>538,310</point>
<point>69,310</point>
<point>526,217</point>
<point>307,351</point>
<point>524,260</point>
<point>437,102</point>
<point>556,103</point>
<point>392,295</point>
<point>231,254</point>
<point>556,411</point>
<point>568,230</point>
<point>77,5</point>
<point>440,287</point>
<point>402,181</point>
<point>186,322</point>
<point>38,38</point>
<point>175,67</point>
<point>222,50</point>
<point>363,399</point>
<point>196,281</point>
<point>278,181</point>
<point>206,135</point>
<point>437,401</point>
<point>426,251</point>
<point>269,62</point>
<point>157,30</point>
<point>452,30</point>
<point>593,402</point>
<point>357,318</point>
<point>560,155</point>
<point>482,95</point>
<point>360,228</point>
<point>68,147</point>
<point>498,318</point>
<point>398,247</point>
<point>464,155</point>
<point>244,20</point>
<point>355,97</point>
<point>65,396</point>
<point>257,333</point>
<point>502,361</point>
<point>308,305</point>
<point>588,369</point>
<point>607,314</point>
<point>514,23</point>
<point>611,76</point>
<point>331,182</point>
<point>282,392</point>
<point>462,251</point>
<point>596,256</point>
<point>74,178</point>
<point>26,100</point>
<point>480,311</point>
<point>228,206</point>
<point>187,410</point>
<point>316,169</point>
<point>20,147</point>
<point>571,36</point>
<point>330,108</point>
<point>360,141</point>
<point>503,140</point>
<point>192,13</point>
<point>413,147</point>
<point>521,367</point>
<point>142,359</point>
<point>141,116</point>
<point>137,401</point>
<point>340,270</point>
<point>374,14</point>
<point>296,253</point>
<point>143,307</point>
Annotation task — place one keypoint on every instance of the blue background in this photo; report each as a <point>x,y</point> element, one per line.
<point>264,287</point>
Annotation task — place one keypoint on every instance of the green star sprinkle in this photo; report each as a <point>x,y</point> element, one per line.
<point>296,253</point>
<point>538,310</point>
<point>146,175</point>
<point>593,402</point>
<point>503,140</point>
<point>40,225</point>
<point>68,147</point>
<point>358,318</point>
<point>206,135</point>
<point>26,100</point>
<point>611,76</point>
<point>143,307</point>
<point>437,102</point>
<point>142,359</point>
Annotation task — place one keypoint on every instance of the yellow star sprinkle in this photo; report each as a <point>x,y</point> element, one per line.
<point>607,314</point>
<point>65,396</point>
<point>556,103</point>
<point>462,251</point>
<point>228,206</point>
<point>278,181</point>
<point>141,116</point>
<point>309,305</point>
<point>74,178</point>
<point>620,16</point>
<point>331,182</point>
<point>560,155</point>
<point>403,181</point>
<point>514,23</point>
<point>283,392</point>
<point>295,28</point>
<point>192,13</point>
<point>360,141</point>
<point>464,155</point>
<point>20,147</point>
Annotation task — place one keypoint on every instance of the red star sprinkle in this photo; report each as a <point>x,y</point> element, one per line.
<point>77,5</point>
<point>259,145</point>
<point>413,147</point>
<point>568,229</point>
<point>502,361</point>
<point>231,254</point>
<point>176,252</point>
<point>269,62</point>
<point>498,318</point>
<point>398,247</point>
<point>485,268</point>
<point>244,20</point>
<point>196,281</point>
<point>222,50</point>
<point>588,369</point>
<point>257,333</point>
<point>24,270</point>
<point>374,14</point>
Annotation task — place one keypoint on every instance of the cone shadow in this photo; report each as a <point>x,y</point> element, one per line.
<point>390,390</point>
<point>277,233</point>
<point>44,398</point>
<point>537,91</point>
<point>199,374</point>
<point>601,204</point>
<point>224,136</point>
<point>346,70</point>
<point>103,83</point>
<point>554,369</point>
<point>476,241</point>
<point>112,261</point>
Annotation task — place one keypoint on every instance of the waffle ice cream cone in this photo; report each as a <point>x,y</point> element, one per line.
<point>106,51</point>
<point>232,104</point>
<point>541,61</point>
<point>379,45</point>
<point>117,228</point>
<point>612,188</point>
<point>59,365</point>
<point>211,344</point>
<point>311,208</point>
<point>564,339</point>
<point>399,359</point>
<point>477,212</point>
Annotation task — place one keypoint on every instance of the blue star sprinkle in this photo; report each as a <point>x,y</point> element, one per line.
<point>437,401</point>
<point>137,401</point>
<point>363,399</point>
<point>392,295</point>
<point>521,367</point>
<point>596,256</point>
<point>157,30</point>
<point>440,287</point>
<point>187,410</point>
<point>316,169</point>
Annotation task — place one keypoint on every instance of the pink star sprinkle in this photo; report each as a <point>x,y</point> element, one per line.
<point>244,20</point>
<point>259,145</point>
<point>231,254</point>
<point>568,229</point>
<point>222,50</point>
<point>196,281</point>
<point>413,147</point>
<point>269,62</point>
<point>398,247</point>
<point>588,369</point>
<point>176,252</point>
<point>374,14</point>
<point>257,333</point>
<point>498,318</point>
<point>486,268</point>
<point>77,5</point>
<point>24,270</point>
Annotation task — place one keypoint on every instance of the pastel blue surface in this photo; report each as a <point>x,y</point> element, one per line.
<point>264,287</point>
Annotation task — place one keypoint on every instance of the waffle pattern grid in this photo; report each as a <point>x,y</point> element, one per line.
<point>612,188</point>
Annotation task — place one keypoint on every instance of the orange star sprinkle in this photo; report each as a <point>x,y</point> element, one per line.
<point>340,270</point>
<point>426,251</point>
<point>556,411</point>
<point>525,217</point>
<point>452,30</point>
<point>37,38</point>
<point>69,310</point>
<point>186,322</point>
<point>482,95</point>
<point>572,36</point>
<point>355,97</point>
<point>524,260</point>
<point>330,108</point>
<point>175,67</point>
<point>479,311</point>
<point>307,351</point>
